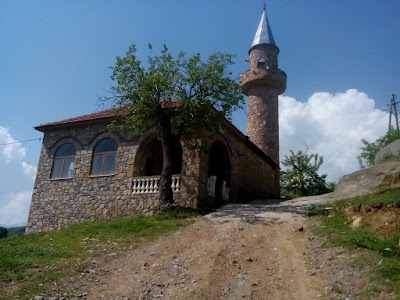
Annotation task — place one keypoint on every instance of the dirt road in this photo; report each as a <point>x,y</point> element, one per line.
<point>256,251</point>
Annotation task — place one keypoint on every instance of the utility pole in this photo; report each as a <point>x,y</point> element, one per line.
<point>393,112</point>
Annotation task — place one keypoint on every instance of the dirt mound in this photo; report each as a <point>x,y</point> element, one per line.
<point>384,220</point>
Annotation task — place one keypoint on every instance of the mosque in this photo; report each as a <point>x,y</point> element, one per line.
<point>86,173</point>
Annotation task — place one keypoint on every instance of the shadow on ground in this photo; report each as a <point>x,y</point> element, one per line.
<point>271,211</point>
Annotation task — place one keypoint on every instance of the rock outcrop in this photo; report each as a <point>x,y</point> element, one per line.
<point>366,181</point>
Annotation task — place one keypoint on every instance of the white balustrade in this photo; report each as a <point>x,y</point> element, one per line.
<point>225,191</point>
<point>211,188</point>
<point>212,181</point>
<point>150,184</point>
<point>176,183</point>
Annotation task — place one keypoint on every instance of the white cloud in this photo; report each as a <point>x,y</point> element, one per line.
<point>29,169</point>
<point>17,177</point>
<point>14,208</point>
<point>331,125</point>
<point>11,149</point>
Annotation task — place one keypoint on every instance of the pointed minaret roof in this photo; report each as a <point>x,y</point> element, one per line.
<point>264,32</point>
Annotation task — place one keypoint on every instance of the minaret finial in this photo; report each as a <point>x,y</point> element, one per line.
<point>265,5</point>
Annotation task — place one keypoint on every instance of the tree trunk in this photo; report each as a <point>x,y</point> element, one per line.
<point>165,193</point>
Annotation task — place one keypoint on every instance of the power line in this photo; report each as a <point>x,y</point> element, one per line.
<point>24,141</point>
<point>353,138</point>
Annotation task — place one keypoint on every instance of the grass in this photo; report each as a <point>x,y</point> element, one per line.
<point>382,253</point>
<point>36,263</point>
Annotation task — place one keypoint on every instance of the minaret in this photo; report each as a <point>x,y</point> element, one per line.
<point>263,83</point>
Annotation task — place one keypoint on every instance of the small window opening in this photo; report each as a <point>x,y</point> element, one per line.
<point>262,62</point>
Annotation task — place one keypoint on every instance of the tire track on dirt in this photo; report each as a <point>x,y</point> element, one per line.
<point>239,252</point>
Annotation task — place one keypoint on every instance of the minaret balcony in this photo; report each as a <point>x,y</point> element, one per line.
<point>274,78</point>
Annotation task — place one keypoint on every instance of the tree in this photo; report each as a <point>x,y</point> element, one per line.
<point>3,232</point>
<point>176,95</point>
<point>15,231</point>
<point>300,176</point>
<point>369,150</point>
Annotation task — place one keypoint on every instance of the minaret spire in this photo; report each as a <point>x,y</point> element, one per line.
<point>264,32</point>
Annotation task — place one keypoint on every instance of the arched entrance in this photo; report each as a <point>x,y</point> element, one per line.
<point>149,158</point>
<point>219,172</point>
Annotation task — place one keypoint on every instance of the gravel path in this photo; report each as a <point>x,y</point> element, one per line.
<point>262,250</point>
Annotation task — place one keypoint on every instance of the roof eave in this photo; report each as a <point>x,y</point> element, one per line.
<point>45,128</point>
<point>245,139</point>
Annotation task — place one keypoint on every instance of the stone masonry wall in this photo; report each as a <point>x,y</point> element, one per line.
<point>257,178</point>
<point>266,51</point>
<point>57,203</point>
<point>190,183</point>
<point>251,175</point>
<point>263,124</point>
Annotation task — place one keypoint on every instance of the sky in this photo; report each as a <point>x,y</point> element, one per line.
<point>341,57</point>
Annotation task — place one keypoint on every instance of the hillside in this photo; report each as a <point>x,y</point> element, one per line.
<point>262,250</point>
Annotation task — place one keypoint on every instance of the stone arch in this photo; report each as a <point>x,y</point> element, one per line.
<point>149,157</point>
<point>102,136</point>
<point>220,167</point>
<point>64,140</point>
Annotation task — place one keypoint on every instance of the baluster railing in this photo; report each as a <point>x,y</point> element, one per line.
<point>225,191</point>
<point>150,184</point>
<point>212,180</point>
<point>176,183</point>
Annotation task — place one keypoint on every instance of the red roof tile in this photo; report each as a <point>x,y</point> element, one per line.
<point>105,114</point>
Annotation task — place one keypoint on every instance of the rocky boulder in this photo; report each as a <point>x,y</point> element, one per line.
<point>366,181</point>
<point>389,151</point>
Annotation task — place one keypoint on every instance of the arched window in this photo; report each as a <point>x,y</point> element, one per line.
<point>64,160</point>
<point>104,154</point>
<point>262,62</point>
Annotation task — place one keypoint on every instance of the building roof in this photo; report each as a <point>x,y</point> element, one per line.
<point>97,116</point>
<point>100,115</point>
<point>264,32</point>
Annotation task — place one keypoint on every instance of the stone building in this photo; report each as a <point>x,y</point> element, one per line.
<point>86,173</point>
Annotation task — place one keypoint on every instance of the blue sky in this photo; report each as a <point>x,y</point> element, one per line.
<point>341,57</point>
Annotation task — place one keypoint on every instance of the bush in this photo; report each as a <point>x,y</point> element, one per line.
<point>3,232</point>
